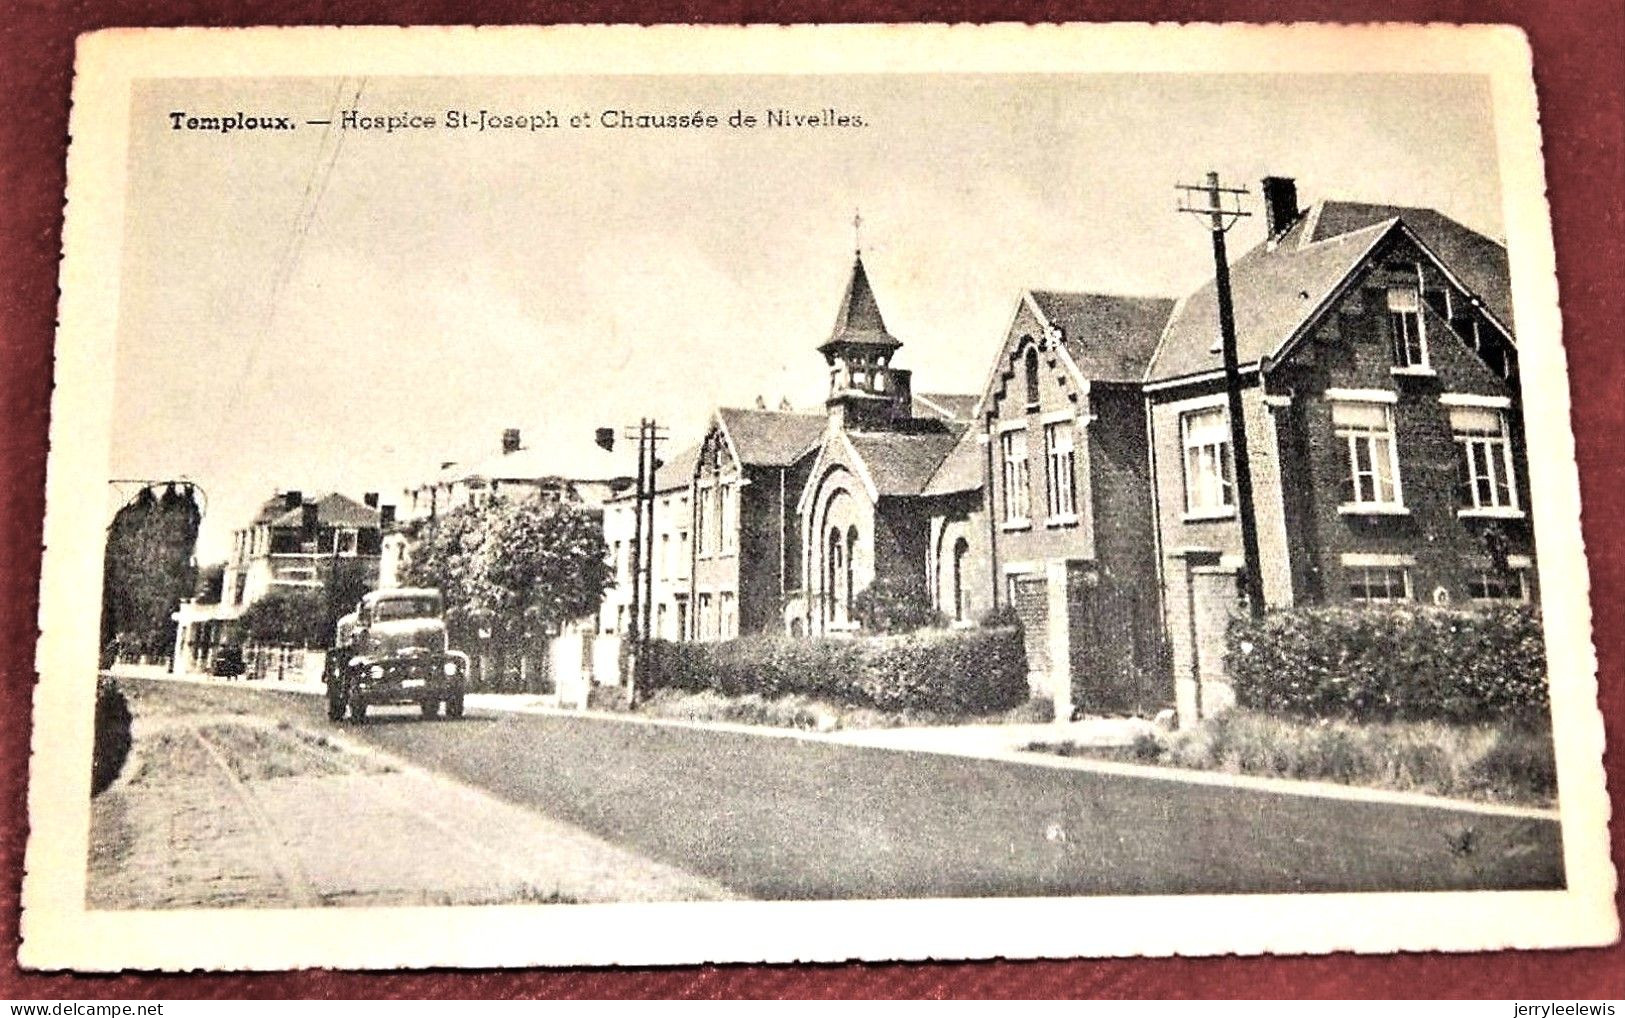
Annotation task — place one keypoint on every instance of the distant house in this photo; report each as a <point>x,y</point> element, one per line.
<point>1384,427</point>
<point>294,542</point>
<point>576,472</point>
<point>1063,423</point>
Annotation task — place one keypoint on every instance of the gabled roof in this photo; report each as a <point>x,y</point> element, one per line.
<point>771,438</point>
<point>960,470</point>
<point>1277,288</point>
<point>1109,337</point>
<point>1480,262</point>
<point>947,406</point>
<point>859,320</point>
<point>903,463</point>
<point>332,510</point>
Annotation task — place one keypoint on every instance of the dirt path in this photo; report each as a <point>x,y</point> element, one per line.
<point>220,807</point>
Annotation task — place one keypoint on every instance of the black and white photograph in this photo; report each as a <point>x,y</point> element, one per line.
<point>628,496</point>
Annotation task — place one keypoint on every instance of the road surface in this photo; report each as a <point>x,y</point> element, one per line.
<point>782,818</point>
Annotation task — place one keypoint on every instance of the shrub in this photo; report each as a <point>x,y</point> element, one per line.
<point>111,741</point>
<point>1404,662</point>
<point>965,672</point>
<point>889,606</point>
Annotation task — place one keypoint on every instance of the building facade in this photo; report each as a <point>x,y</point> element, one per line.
<point>672,552</point>
<point>1064,425</point>
<point>892,501</point>
<point>1384,427</point>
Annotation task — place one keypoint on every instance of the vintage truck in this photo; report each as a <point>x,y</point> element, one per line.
<point>392,650</point>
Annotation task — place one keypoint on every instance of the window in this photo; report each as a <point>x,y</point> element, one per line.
<point>1367,430</point>
<point>1379,584</point>
<point>1210,466</point>
<point>851,553</point>
<point>1059,481</point>
<point>1405,318</point>
<point>347,541</point>
<point>1031,366</point>
<point>961,550</point>
<point>619,562</point>
<point>702,505</point>
<point>1495,585</point>
<point>718,525</point>
<point>665,556</point>
<point>727,496</point>
<point>1484,468</point>
<point>1017,499</point>
<point>704,621</point>
<point>728,623</point>
<point>832,574</point>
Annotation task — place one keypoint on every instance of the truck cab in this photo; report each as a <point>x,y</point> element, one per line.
<point>392,650</point>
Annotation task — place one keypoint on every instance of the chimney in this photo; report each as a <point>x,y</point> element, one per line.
<point>307,521</point>
<point>371,499</point>
<point>1280,204</point>
<point>386,516</point>
<point>292,500</point>
<point>510,440</point>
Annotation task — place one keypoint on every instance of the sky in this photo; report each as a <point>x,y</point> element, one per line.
<point>330,309</point>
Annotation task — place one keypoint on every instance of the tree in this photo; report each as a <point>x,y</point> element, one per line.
<point>149,568</point>
<point>512,569</point>
<point>297,616</point>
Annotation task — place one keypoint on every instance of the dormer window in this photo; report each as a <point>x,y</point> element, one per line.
<point>1410,351</point>
<point>1032,377</point>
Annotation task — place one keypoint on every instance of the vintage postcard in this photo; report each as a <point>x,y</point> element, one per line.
<point>618,495</point>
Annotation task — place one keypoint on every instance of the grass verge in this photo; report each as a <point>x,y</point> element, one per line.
<point>796,711</point>
<point>1488,762</point>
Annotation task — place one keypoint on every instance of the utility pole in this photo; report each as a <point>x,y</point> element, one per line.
<point>648,435</point>
<point>1220,217</point>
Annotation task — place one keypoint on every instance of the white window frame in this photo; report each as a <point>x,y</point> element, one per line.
<point>1405,305</point>
<point>1017,477</point>
<point>1363,574</point>
<point>1208,501</point>
<point>1495,468</point>
<point>1358,436</point>
<point>1060,471</point>
<point>1519,567</point>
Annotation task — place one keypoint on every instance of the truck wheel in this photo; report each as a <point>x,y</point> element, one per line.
<point>454,706</point>
<point>431,708</point>
<point>358,712</point>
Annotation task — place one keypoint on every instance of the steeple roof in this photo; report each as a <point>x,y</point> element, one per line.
<point>858,321</point>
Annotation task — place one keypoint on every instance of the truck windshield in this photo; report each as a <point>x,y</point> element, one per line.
<point>407,608</point>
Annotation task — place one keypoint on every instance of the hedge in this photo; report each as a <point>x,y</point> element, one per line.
<point>966,672</point>
<point>111,740</point>
<point>1404,662</point>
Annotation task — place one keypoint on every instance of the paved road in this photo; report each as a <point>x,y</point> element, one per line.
<point>784,818</point>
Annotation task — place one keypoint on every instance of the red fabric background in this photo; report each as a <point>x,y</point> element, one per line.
<point>1580,74</point>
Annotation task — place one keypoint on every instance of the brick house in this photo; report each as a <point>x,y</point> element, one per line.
<point>893,494</point>
<point>1383,424</point>
<point>1064,424</point>
<point>749,472</point>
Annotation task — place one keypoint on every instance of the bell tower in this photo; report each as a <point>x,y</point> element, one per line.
<point>865,392</point>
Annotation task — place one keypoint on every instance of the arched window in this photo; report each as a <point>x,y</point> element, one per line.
<point>1032,377</point>
<point>961,549</point>
<point>851,553</point>
<point>832,564</point>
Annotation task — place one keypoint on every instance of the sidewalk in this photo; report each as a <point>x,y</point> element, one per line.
<point>221,809</point>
